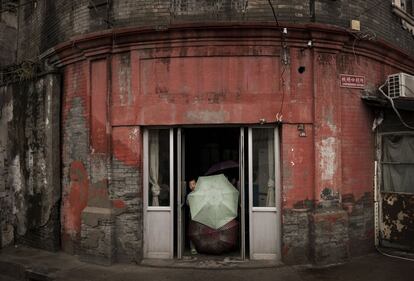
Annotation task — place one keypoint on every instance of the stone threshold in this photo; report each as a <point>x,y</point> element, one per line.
<point>203,262</point>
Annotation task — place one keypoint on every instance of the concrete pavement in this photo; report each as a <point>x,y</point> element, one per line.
<point>21,263</point>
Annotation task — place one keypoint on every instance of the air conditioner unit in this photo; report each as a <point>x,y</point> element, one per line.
<point>401,85</point>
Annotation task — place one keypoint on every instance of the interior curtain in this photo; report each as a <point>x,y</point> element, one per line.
<point>270,198</point>
<point>154,166</point>
<point>398,163</point>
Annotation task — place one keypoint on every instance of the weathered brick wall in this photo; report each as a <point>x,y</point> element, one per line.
<point>126,192</point>
<point>8,33</point>
<point>49,22</point>
<point>75,154</point>
<point>296,236</point>
<point>29,163</point>
<point>329,236</point>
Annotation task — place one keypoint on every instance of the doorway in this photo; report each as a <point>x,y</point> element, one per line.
<point>247,156</point>
<point>207,152</point>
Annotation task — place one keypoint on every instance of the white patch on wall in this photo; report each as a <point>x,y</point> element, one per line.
<point>48,110</point>
<point>8,111</point>
<point>16,182</point>
<point>328,158</point>
<point>15,176</point>
<point>133,135</point>
<point>30,169</point>
<point>207,116</point>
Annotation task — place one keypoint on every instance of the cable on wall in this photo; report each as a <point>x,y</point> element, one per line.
<point>285,61</point>
<point>393,105</point>
<point>373,6</point>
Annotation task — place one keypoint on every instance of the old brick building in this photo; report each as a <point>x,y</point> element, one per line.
<point>104,100</point>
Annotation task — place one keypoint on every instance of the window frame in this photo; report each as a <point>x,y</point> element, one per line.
<point>381,162</point>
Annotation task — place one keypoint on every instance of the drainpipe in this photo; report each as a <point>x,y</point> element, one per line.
<point>17,34</point>
<point>312,10</point>
<point>376,205</point>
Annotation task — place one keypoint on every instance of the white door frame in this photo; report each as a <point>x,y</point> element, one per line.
<point>242,196</point>
<point>181,193</point>
<point>264,222</point>
<point>158,239</point>
<point>156,218</point>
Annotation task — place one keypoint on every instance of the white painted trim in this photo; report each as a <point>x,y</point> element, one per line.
<point>172,193</point>
<point>179,196</point>
<point>265,209</point>
<point>158,209</point>
<point>145,189</point>
<point>242,195</point>
<point>278,193</point>
<point>159,255</point>
<point>264,257</point>
<point>250,187</point>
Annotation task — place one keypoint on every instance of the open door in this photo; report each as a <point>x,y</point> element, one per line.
<point>158,193</point>
<point>181,193</point>
<point>264,193</point>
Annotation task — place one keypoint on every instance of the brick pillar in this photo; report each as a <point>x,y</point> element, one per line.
<point>98,223</point>
<point>329,240</point>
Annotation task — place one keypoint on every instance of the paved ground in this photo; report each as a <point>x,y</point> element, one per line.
<point>30,264</point>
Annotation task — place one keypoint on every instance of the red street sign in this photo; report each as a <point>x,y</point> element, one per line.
<point>352,81</point>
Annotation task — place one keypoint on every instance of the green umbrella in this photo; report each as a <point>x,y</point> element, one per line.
<point>214,201</point>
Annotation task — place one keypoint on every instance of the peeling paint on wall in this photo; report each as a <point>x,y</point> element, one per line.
<point>328,158</point>
<point>207,116</point>
<point>124,78</point>
<point>398,220</point>
<point>19,207</point>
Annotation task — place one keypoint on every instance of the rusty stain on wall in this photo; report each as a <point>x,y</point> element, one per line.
<point>398,219</point>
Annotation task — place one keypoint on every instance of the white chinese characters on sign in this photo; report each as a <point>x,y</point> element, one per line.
<point>352,81</point>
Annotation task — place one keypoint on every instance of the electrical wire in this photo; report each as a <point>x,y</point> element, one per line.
<point>392,256</point>
<point>375,5</point>
<point>274,13</point>
<point>361,35</point>
<point>279,115</point>
<point>393,105</point>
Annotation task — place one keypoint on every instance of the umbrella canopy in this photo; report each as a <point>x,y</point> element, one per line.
<point>214,201</point>
<point>214,241</point>
<point>229,164</point>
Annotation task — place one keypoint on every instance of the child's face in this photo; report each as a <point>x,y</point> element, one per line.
<point>192,184</point>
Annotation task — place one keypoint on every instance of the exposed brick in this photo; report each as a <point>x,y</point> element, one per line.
<point>52,22</point>
<point>295,233</point>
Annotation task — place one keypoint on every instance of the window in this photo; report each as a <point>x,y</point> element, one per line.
<point>159,168</point>
<point>406,5</point>
<point>404,10</point>
<point>263,167</point>
<point>398,163</point>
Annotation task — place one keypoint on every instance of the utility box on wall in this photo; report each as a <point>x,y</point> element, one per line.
<point>401,85</point>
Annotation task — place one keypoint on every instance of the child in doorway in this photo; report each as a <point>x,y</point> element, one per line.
<point>192,185</point>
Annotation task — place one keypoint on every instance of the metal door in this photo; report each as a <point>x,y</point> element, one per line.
<point>158,193</point>
<point>264,193</point>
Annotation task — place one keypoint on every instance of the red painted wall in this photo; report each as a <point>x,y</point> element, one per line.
<point>218,82</point>
<point>75,152</point>
<point>201,86</point>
